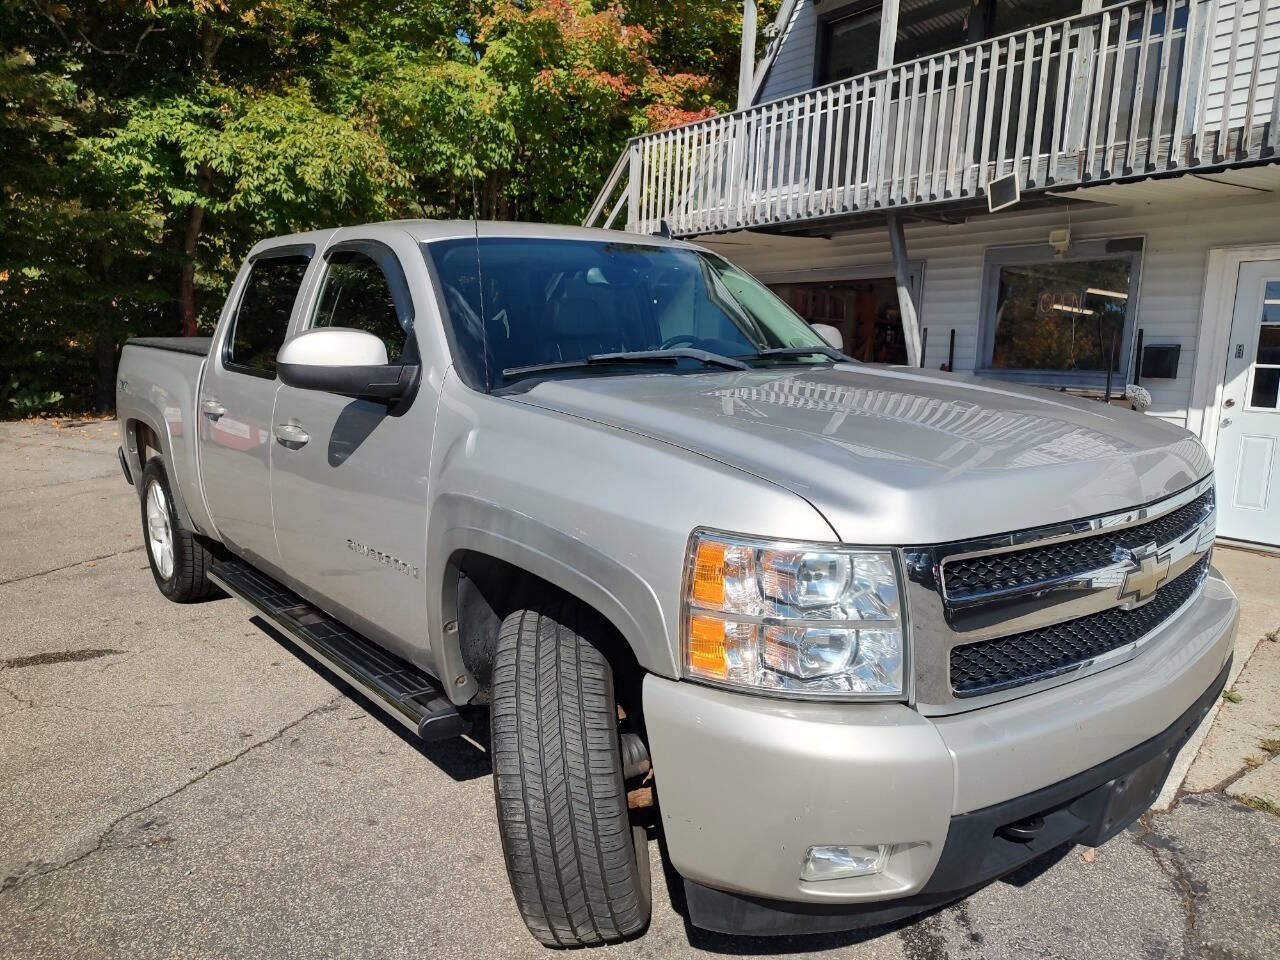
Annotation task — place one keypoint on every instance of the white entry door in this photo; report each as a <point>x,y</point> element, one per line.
<point>1248,455</point>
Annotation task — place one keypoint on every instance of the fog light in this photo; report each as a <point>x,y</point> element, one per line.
<point>837,862</point>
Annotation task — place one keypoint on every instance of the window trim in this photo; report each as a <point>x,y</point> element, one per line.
<point>825,19</point>
<point>307,250</point>
<point>1113,248</point>
<point>391,267</point>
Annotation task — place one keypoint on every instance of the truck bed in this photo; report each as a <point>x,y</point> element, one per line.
<point>157,384</point>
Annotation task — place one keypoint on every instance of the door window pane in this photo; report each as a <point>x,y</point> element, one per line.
<point>1266,373</point>
<point>1271,302</point>
<point>1266,387</point>
<point>1067,316</point>
<point>1269,343</point>
<point>356,295</point>
<point>262,317</point>
<point>849,46</point>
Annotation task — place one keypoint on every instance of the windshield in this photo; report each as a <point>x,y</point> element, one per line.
<point>561,301</point>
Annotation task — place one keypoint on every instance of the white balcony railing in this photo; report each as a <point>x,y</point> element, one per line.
<point>1128,91</point>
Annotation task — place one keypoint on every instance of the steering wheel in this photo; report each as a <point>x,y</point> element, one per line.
<point>679,340</point>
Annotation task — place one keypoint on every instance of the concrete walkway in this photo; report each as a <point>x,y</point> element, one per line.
<point>175,783</point>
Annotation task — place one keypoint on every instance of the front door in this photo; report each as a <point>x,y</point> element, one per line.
<point>349,477</point>
<point>1248,456</point>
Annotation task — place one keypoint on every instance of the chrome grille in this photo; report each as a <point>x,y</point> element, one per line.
<point>998,617</point>
<point>974,576</point>
<point>978,668</point>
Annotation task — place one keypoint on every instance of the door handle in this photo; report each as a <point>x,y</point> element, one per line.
<point>1226,422</point>
<point>212,409</point>
<point>291,435</point>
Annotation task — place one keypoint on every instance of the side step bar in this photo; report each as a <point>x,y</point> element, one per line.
<point>408,693</point>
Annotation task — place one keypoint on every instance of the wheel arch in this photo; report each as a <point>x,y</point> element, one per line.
<point>493,558</point>
<point>143,435</point>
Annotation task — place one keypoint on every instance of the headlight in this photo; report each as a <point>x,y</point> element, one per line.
<point>811,620</point>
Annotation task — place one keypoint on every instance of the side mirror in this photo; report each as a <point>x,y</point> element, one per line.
<point>350,363</point>
<point>830,334</point>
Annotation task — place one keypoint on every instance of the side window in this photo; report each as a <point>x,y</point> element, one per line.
<point>262,316</point>
<point>356,293</point>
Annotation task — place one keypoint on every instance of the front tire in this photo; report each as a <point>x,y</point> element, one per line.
<point>578,868</point>
<point>179,561</point>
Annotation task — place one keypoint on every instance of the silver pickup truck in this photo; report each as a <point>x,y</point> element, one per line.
<point>856,639</point>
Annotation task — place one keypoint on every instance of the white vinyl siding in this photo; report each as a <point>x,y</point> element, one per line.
<point>1177,239</point>
<point>1246,51</point>
<point>792,68</point>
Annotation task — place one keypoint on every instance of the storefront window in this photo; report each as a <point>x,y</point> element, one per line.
<point>1060,321</point>
<point>864,311</point>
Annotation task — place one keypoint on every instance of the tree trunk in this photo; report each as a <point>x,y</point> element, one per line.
<point>210,41</point>
<point>190,241</point>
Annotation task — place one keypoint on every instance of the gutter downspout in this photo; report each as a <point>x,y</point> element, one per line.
<point>902,276</point>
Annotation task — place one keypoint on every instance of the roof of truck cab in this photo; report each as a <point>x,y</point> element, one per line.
<point>425,231</point>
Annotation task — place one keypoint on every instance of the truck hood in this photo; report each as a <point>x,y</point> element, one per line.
<point>895,455</point>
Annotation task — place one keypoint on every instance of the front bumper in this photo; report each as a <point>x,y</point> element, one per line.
<point>747,784</point>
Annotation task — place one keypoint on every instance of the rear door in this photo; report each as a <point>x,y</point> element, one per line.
<point>350,501</point>
<point>236,398</point>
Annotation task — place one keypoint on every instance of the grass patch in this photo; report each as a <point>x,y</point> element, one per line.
<point>1260,803</point>
<point>1232,696</point>
<point>1271,745</point>
<point>1273,636</point>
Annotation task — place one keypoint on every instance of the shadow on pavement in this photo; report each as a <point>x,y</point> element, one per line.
<point>462,759</point>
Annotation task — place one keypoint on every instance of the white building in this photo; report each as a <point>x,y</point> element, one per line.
<point>874,138</point>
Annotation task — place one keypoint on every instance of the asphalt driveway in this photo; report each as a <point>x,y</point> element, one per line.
<point>176,782</point>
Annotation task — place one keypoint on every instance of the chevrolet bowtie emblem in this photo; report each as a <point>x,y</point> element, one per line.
<point>1140,584</point>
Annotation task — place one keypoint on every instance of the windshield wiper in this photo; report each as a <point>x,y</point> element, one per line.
<point>673,355</point>
<point>784,353</point>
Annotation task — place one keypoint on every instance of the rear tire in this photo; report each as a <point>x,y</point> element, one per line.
<point>179,561</point>
<point>578,868</point>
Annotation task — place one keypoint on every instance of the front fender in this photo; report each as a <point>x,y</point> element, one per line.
<point>602,513</point>
<point>618,593</point>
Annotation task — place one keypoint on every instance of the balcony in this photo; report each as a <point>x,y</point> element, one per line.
<point>1135,90</point>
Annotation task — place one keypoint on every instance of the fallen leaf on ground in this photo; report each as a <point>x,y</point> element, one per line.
<point>1088,855</point>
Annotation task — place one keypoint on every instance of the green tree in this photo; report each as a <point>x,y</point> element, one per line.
<point>149,143</point>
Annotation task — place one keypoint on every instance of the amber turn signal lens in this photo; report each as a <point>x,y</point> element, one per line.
<point>706,647</point>
<point>708,574</point>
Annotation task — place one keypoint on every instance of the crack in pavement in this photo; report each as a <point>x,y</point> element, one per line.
<point>45,485</point>
<point>1177,875</point>
<point>25,701</point>
<point>73,563</point>
<point>15,881</point>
